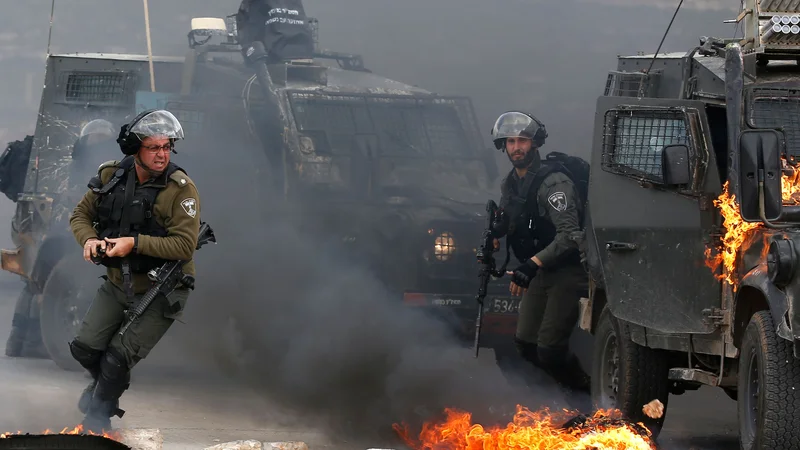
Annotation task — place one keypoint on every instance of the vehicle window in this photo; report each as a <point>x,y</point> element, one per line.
<point>97,88</point>
<point>778,108</point>
<point>634,140</point>
<point>403,127</point>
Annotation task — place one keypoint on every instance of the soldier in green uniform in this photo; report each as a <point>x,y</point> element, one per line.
<point>542,211</point>
<point>141,211</point>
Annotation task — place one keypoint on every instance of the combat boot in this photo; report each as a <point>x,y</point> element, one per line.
<point>102,405</point>
<point>86,398</point>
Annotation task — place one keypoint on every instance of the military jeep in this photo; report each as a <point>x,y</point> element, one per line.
<point>693,228</point>
<point>379,161</point>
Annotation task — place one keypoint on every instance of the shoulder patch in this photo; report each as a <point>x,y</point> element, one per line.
<point>189,205</point>
<point>558,200</point>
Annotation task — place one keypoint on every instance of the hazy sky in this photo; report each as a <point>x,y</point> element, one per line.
<point>548,57</point>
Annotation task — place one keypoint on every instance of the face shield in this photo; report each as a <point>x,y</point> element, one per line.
<point>513,124</point>
<point>158,124</point>
<point>98,126</point>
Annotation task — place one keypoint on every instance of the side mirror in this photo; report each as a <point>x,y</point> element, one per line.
<point>760,175</point>
<point>675,164</point>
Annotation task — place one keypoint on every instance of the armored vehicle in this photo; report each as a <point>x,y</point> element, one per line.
<point>693,227</point>
<point>383,166</point>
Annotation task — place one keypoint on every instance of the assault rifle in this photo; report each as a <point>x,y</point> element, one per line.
<point>494,216</point>
<point>166,279</point>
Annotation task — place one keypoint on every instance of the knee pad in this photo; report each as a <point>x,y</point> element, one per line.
<point>86,356</point>
<point>114,375</point>
<point>527,351</point>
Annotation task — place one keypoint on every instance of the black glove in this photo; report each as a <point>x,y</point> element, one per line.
<point>523,274</point>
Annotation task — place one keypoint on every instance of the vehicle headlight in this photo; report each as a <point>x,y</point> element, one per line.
<point>444,246</point>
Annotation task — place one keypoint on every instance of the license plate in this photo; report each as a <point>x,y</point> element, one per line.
<point>504,305</point>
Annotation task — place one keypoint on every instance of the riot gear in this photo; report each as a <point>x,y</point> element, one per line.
<point>145,221</point>
<point>149,123</point>
<point>95,145</point>
<point>100,129</point>
<point>518,124</point>
<point>542,209</point>
<point>138,212</point>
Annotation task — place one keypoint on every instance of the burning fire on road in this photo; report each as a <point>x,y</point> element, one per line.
<point>67,438</point>
<point>77,430</point>
<point>604,430</point>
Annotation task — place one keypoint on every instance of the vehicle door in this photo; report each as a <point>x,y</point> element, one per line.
<point>650,236</point>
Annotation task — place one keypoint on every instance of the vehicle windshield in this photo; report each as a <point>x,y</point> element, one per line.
<point>395,145</point>
<point>778,108</point>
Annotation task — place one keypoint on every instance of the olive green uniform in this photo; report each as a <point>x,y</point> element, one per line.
<point>176,208</point>
<point>549,308</point>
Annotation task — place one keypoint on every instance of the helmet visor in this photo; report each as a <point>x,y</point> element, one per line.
<point>514,124</point>
<point>161,124</point>
<point>98,126</point>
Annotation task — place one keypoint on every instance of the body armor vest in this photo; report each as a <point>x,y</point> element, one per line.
<point>126,210</point>
<point>529,232</point>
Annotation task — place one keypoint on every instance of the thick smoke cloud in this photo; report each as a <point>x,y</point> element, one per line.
<point>292,315</point>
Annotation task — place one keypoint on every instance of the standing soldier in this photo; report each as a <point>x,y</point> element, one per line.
<point>542,210</point>
<point>141,211</point>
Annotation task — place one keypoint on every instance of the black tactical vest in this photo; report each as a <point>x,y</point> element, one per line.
<point>529,232</point>
<point>126,210</point>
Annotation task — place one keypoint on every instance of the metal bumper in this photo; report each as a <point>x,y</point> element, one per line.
<point>459,312</point>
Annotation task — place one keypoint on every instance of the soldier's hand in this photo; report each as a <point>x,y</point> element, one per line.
<point>496,244</point>
<point>120,246</point>
<point>516,290</point>
<point>90,248</point>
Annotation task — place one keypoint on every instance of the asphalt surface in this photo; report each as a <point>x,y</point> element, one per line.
<point>195,409</point>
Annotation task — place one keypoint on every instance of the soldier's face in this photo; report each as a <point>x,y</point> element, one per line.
<point>518,149</point>
<point>155,152</point>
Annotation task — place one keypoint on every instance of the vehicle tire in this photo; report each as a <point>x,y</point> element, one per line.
<point>66,297</point>
<point>769,388</point>
<point>625,375</point>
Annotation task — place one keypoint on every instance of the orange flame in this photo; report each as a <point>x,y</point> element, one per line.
<point>736,228</point>
<point>790,186</point>
<point>735,232</point>
<point>530,430</point>
<point>77,430</point>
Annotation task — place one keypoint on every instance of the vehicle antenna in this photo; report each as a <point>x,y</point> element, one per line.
<point>641,86</point>
<point>149,47</point>
<point>50,31</point>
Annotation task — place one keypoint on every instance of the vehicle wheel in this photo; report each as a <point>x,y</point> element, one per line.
<point>625,375</point>
<point>67,294</point>
<point>769,388</point>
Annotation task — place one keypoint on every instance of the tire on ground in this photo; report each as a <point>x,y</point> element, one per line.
<point>641,373</point>
<point>769,416</point>
<point>66,297</point>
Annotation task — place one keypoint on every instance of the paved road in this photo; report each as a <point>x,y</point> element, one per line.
<point>195,409</point>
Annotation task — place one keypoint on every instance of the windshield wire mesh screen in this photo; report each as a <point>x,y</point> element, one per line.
<point>94,87</point>
<point>778,108</point>
<point>634,139</point>
<point>403,127</point>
